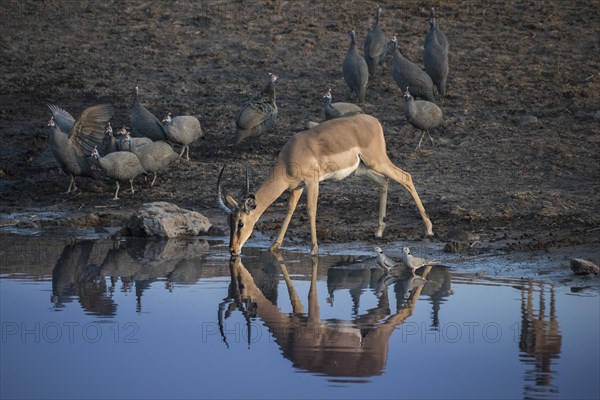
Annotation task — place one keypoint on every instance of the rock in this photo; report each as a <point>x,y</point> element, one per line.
<point>311,124</point>
<point>166,220</point>
<point>528,120</point>
<point>461,236</point>
<point>580,266</point>
<point>457,247</point>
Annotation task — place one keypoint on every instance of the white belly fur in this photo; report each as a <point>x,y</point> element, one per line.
<point>339,174</point>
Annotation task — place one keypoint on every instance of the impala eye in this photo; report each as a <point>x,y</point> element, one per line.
<point>241,224</point>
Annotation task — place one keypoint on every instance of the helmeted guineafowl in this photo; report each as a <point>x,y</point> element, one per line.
<point>71,149</point>
<point>258,114</point>
<point>143,122</point>
<point>110,143</point>
<point>123,138</point>
<point>355,69</point>
<point>121,166</point>
<point>435,55</point>
<point>62,118</point>
<point>183,129</point>
<point>406,73</point>
<point>423,115</point>
<point>154,156</point>
<point>375,45</point>
<point>339,110</point>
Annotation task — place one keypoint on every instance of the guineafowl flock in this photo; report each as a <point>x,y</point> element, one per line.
<point>149,146</point>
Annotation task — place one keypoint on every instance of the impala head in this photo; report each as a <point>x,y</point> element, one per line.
<point>240,216</point>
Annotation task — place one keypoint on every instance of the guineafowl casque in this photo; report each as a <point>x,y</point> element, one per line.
<point>423,115</point>
<point>375,45</point>
<point>258,114</point>
<point>121,166</point>
<point>62,118</point>
<point>406,73</point>
<point>435,55</point>
<point>356,71</point>
<point>71,149</point>
<point>154,156</point>
<point>183,129</point>
<point>143,122</point>
<point>339,110</point>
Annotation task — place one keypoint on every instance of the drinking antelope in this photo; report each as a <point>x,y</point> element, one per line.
<point>332,150</point>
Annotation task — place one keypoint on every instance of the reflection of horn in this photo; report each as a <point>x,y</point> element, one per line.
<point>220,322</point>
<point>222,204</point>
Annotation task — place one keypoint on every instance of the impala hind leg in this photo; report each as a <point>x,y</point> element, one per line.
<point>381,181</point>
<point>292,203</point>
<point>404,179</point>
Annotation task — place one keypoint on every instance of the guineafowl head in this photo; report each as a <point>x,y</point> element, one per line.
<point>407,95</point>
<point>394,42</point>
<point>95,153</point>
<point>327,95</point>
<point>108,131</point>
<point>352,35</point>
<point>273,77</point>
<point>51,122</point>
<point>167,119</point>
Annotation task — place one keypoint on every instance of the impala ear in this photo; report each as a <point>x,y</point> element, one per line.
<point>231,201</point>
<point>249,203</point>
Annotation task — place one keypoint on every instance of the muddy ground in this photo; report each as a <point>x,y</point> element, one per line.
<point>517,162</point>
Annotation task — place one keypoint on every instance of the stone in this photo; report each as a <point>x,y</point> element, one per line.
<point>580,266</point>
<point>164,219</point>
<point>528,120</point>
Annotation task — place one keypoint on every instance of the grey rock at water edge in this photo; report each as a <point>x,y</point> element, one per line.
<point>580,266</point>
<point>166,220</point>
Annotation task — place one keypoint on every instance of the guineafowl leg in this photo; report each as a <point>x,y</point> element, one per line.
<point>153,180</point>
<point>182,150</point>
<point>430,138</point>
<point>71,184</point>
<point>117,192</point>
<point>419,145</point>
<point>187,153</point>
<point>131,184</point>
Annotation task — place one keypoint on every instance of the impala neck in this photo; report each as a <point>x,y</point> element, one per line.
<point>270,190</point>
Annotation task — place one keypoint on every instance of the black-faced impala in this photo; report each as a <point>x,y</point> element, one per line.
<point>332,150</point>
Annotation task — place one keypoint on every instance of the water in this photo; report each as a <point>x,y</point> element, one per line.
<point>179,319</point>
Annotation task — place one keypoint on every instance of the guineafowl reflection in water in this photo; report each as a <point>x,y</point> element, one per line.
<point>74,276</point>
<point>355,348</point>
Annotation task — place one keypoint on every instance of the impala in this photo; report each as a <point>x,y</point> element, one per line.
<point>332,150</point>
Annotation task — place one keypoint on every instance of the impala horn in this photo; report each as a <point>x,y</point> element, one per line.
<point>247,182</point>
<point>222,204</point>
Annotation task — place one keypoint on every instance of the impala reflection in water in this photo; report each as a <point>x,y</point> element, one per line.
<point>355,348</point>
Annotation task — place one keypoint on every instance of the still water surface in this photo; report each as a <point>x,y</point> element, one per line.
<point>179,319</point>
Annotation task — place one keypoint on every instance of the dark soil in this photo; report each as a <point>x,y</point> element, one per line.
<point>530,183</point>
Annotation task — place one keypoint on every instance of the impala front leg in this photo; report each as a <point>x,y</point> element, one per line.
<point>292,203</point>
<point>312,194</point>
